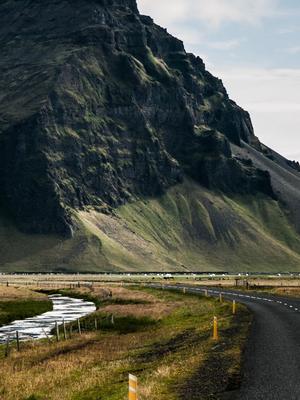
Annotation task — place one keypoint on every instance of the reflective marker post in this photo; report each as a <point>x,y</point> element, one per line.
<point>215,330</point>
<point>133,383</point>
<point>233,307</point>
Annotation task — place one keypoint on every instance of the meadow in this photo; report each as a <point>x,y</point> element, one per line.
<point>162,337</point>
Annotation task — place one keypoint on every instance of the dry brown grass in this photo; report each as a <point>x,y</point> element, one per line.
<point>19,293</point>
<point>95,365</point>
<point>288,291</point>
<point>151,306</point>
<point>52,369</point>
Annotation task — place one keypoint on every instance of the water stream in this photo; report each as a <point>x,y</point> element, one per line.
<point>64,309</point>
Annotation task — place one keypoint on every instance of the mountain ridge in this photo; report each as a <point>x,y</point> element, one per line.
<point>101,107</point>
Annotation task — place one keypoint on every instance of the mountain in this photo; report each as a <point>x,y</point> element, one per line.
<point>120,151</point>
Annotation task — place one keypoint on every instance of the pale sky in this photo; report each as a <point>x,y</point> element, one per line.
<point>254,47</point>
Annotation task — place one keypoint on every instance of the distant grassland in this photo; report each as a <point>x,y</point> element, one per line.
<point>189,228</point>
<point>16,304</point>
<point>164,338</point>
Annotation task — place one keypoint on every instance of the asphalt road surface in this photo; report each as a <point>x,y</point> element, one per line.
<point>272,361</point>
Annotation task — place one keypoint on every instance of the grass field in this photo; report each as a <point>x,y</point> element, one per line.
<point>20,303</point>
<point>285,291</point>
<point>293,292</point>
<point>164,338</point>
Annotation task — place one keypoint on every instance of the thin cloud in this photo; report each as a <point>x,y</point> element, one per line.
<point>212,12</point>
<point>294,50</point>
<point>288,30</point>
<point>225,45</point>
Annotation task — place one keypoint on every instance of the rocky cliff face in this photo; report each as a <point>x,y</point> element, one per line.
<point>99,105</point>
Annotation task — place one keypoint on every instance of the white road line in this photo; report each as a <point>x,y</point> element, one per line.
<point>191,290</point>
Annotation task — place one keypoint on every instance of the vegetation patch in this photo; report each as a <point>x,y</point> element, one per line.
<point>19,303</point>
<point>15,310</point>
<point>165,341</point>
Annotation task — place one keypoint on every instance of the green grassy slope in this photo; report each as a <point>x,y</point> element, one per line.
<point>189,228</point>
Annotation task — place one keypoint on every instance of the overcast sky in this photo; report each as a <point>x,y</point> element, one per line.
<point>254,47</point>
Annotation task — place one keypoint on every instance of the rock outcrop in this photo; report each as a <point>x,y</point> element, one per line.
<point>99,105</point>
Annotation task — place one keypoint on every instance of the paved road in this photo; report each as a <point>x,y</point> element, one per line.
<point>272,359</point>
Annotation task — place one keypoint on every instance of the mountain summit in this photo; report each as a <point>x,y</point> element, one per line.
<point>103,118</point>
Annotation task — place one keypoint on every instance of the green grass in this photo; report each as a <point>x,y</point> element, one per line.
<point>120,325</point>
<point>21,309</point>
<point>192,228</point>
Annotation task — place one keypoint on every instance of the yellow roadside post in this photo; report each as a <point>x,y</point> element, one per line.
<point>215,330</point>
<point>221,298</point>
<point>184,290</point>
<point>206,292</point>
<point>233,307</point>
<point>133,383</point>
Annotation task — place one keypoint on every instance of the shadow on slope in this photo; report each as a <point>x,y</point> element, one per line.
<point>187,229</point>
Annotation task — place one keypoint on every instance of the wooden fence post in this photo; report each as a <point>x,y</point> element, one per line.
<point>65,332</point>
<point>57,331</point>
<point>7,347</point>
<point>47,336</point>
<point>18,340</point>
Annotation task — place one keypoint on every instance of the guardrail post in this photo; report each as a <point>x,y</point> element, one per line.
<point>133,385</point>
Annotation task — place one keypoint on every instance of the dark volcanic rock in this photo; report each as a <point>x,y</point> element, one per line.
<point>99,104</point>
